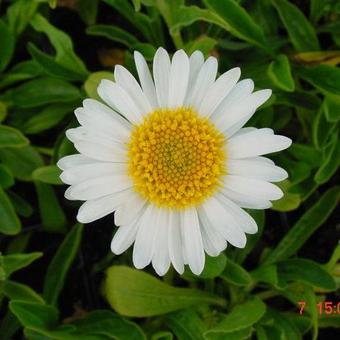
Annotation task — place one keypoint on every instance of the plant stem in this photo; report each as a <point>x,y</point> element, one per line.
<point>177,38</point>
<point>267,294</point>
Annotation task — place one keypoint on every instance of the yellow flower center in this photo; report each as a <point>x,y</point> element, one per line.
<point>176,157</point>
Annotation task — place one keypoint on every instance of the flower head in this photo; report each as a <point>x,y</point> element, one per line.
<point>171,157</point>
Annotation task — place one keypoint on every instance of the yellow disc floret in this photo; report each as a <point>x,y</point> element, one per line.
<point>176,157</point>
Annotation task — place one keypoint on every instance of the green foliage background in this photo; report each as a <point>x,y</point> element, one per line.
<point>58,279</point>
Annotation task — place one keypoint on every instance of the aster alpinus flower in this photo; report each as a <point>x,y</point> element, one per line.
<point>171,157</point>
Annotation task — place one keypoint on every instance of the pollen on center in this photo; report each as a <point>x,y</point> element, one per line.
<point>176,158</point>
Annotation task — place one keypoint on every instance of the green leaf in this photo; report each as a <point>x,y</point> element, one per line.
<point>21,71</point>
<point>18,244</point>
<point>162,335</point>
<point>3,111</point>
<point>331,106</point>
<point>306,153</point>
<point>106,323</point>
<point>9,221</point>
<point>7,45</point>
<point>332,321</point>
<point>203,43</point>
<point>302,322</point>
<point>280,73</point>
<point>186,325</point>
<point>11,137</point>
<point>51,67</point>
<point>14,262</point>
<point>241,317</point>
<point>318,7</point>
<point>62,43</point>
<point>142,22</point>
<point>61,263</point>
<point>20,292</point>
<point>300,30</point>
<point>269,332</point>
<point>240,22</point>
<point>298,99</point>
<point>113,33</point>
<point>137,4</point>
<point>306,271</point>
<point>6,177</point>
<point>244,333</point>
<point>34,315</point>
<point>43,91</point>
<point>288,329</point>
<point>305,226</point>
<point>147,50</point>
<point>9,325</point>
<point>289,201</point>
<point>252,240</point>
<point>298,170</point>
<point>92,82</point>
<point>21,161</point>
<point>47,118</point>
<point>21,206</point>
<point>19,14</point>
<point>48,174</point>
<point>213,267</point>
<point>177,15</point>
<point>324,77</point>
<point>235,274</point>
<point>267,274</point>
<point>321,129</point>
<point>334,259</point>
<point>300,292</point>
<point>64,332</point>
<point>51,213</point>
<point>88,10</point>
<point>331,161</point>
<point>135,293</point>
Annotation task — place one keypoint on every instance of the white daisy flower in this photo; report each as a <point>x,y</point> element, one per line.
<point>171,157</point>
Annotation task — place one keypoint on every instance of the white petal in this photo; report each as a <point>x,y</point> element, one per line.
<point>128,82</point>
<point>160,258</point>
<point>82,134</point>
<point>192,239</point>
<point>240,91</point>
<point>256,143</point>
<point>85,172</point>
<point>204,80</point>
<point>244,220</point>
<point>112,153</point>
<point>115,96</point>
<point>178,79</point>
<point>124,214</point>
<point>213,241</point>
<point>245,130</point>
<point>239,113</point>
<point>175,242</point>
<point>98,187</point>
<point>97,208</point>
<point>257,169</point>
<point>224,222</point>
<point>262,190</point>
<point>70,161</point>
<point>161,69</point>
<point>145,79</point>
<point>99,117</point>
<point>125,236</point>
<point>146,236</point>
<point>246,201</point>
<point>196,61</point>
<point>218,91</point>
